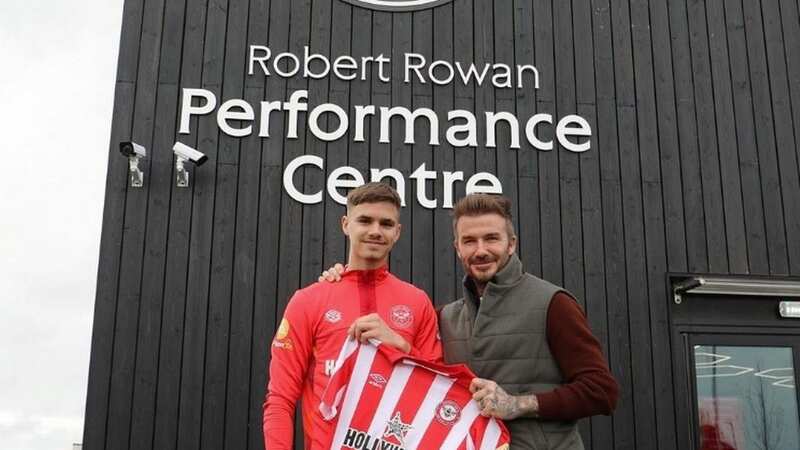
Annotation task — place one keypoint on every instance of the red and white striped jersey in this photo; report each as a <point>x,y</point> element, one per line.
<point>382,399</point>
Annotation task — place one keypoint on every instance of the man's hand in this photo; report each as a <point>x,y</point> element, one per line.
<point>496,402</point>
<point>332,275</point>
<point>372,326</point>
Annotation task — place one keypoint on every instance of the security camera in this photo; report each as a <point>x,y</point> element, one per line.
<point>189,154</point>
<point>130,149</point>
<point>185,153</point>
<point>134,152</point>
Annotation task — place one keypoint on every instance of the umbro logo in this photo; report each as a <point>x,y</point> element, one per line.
<point>377,380</point>
<point>333,316</point>
<point>398,5</point>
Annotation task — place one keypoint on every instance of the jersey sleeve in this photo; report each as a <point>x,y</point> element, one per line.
<point>427,345</point>
<point>291,352</point>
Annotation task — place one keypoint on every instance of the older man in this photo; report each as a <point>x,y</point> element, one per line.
<point>539,364</point>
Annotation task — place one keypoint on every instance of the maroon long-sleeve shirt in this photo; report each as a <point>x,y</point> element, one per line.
<point>589,387</point>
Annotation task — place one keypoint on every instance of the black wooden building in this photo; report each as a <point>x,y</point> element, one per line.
<point>692,172</point>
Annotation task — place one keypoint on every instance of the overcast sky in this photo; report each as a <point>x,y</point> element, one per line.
<point>57,69</point>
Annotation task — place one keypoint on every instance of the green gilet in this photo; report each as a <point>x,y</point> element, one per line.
<point>502,336</point>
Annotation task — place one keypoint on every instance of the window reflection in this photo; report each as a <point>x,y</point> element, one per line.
<point>746,398</point>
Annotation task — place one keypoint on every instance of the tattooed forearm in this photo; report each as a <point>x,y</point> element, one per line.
<point>511,407</point>
<point>527,406</point>
<point>495,401</point>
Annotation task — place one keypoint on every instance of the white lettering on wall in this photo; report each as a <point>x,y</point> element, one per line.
<point>187,110</point>
<point>415,68</point>
<point>484,183</point>
<point>329,122</point>
<point>410,118</point>
<point>394,174</point>
<point>572,132</point>
<point>336,181</point>
<point>347,177</point>
<point>422,175</point>
<point>288,178</point>
<point>313,122</point>
<point>564,129</point>
<point>226,113</point>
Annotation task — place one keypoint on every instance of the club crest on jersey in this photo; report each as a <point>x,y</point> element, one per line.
<point>398,5</point>
<point>401,316</point>
<point>448,412</point>
<point>333,316</point>
<point>377,380</point>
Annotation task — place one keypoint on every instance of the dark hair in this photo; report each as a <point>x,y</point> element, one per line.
<point>374,192</point>
<point>480,204</point>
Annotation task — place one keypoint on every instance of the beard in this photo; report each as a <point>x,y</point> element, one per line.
<point>496,264</point>
<point>482,275</point>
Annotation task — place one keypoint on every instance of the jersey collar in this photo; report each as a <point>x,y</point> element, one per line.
<point>367,276</point>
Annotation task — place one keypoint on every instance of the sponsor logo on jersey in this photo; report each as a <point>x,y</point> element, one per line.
<point>282,339</point>
<point>283,330</point>
<point>448,412</point>
<point>396,428</point>
<point>285,344</point>
<point>377,380</point>
<point>401,316</point>
<point>362,441</point>
<point>333,316</point>
<point>398,5</point>
<point>330,364</point>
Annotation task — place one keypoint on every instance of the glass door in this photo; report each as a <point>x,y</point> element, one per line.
<point>745,391</point>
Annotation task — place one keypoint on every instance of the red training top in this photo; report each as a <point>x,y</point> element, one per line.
<point>312,332</point>
<point>380,398</point>
<point>589,387</point>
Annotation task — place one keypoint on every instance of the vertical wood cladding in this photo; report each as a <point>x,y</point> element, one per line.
<point>695,115</point>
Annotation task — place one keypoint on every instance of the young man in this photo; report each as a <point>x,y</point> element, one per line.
<point>539,364</point>
<point>368,303</point>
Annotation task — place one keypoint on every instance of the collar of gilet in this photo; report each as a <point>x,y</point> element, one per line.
<point>503,280</point>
